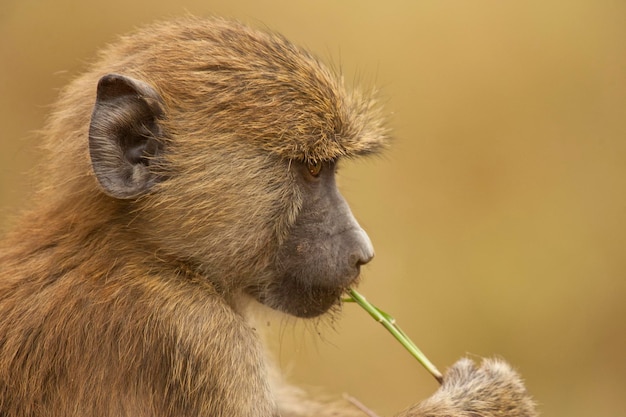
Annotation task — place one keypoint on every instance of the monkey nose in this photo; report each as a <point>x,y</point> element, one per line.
<point>365,250</point>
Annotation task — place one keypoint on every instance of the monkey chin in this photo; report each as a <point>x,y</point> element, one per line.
<point>304,300</point>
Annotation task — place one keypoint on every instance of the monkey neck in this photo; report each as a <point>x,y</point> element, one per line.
<point>92,238</point>
<point>59,236</point>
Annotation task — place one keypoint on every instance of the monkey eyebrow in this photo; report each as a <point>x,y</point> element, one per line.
<point>334,162</point>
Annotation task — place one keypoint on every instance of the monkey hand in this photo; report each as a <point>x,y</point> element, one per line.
<point>493,389</point>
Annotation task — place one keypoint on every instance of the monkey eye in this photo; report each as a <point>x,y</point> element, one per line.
<point>314,168</point>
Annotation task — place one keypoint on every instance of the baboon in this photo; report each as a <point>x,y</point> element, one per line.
<point>190,176</point>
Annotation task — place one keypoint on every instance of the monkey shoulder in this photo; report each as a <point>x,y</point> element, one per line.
<point>149,336</point>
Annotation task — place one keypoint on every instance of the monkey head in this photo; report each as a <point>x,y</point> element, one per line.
<point>220,154</point>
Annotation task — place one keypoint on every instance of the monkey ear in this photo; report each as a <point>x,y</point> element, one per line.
<point>125,136</point>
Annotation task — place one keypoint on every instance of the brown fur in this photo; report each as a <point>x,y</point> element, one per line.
<point>130,307</point>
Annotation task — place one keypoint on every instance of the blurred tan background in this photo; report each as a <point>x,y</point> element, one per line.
<point>499,216</point>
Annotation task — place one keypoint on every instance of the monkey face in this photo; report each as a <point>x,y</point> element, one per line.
<point>288,239</point>
<point>323,251</point>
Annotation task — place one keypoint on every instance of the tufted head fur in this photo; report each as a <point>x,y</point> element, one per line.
<point>222,81</point>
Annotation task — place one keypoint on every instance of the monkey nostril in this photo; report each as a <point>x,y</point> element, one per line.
<point>365,251</point>
<point>363,258</point>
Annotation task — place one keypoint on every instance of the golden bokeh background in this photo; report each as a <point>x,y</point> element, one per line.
<point>499,215</point>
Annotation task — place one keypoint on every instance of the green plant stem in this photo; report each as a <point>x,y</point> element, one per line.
<point>389,323</point>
